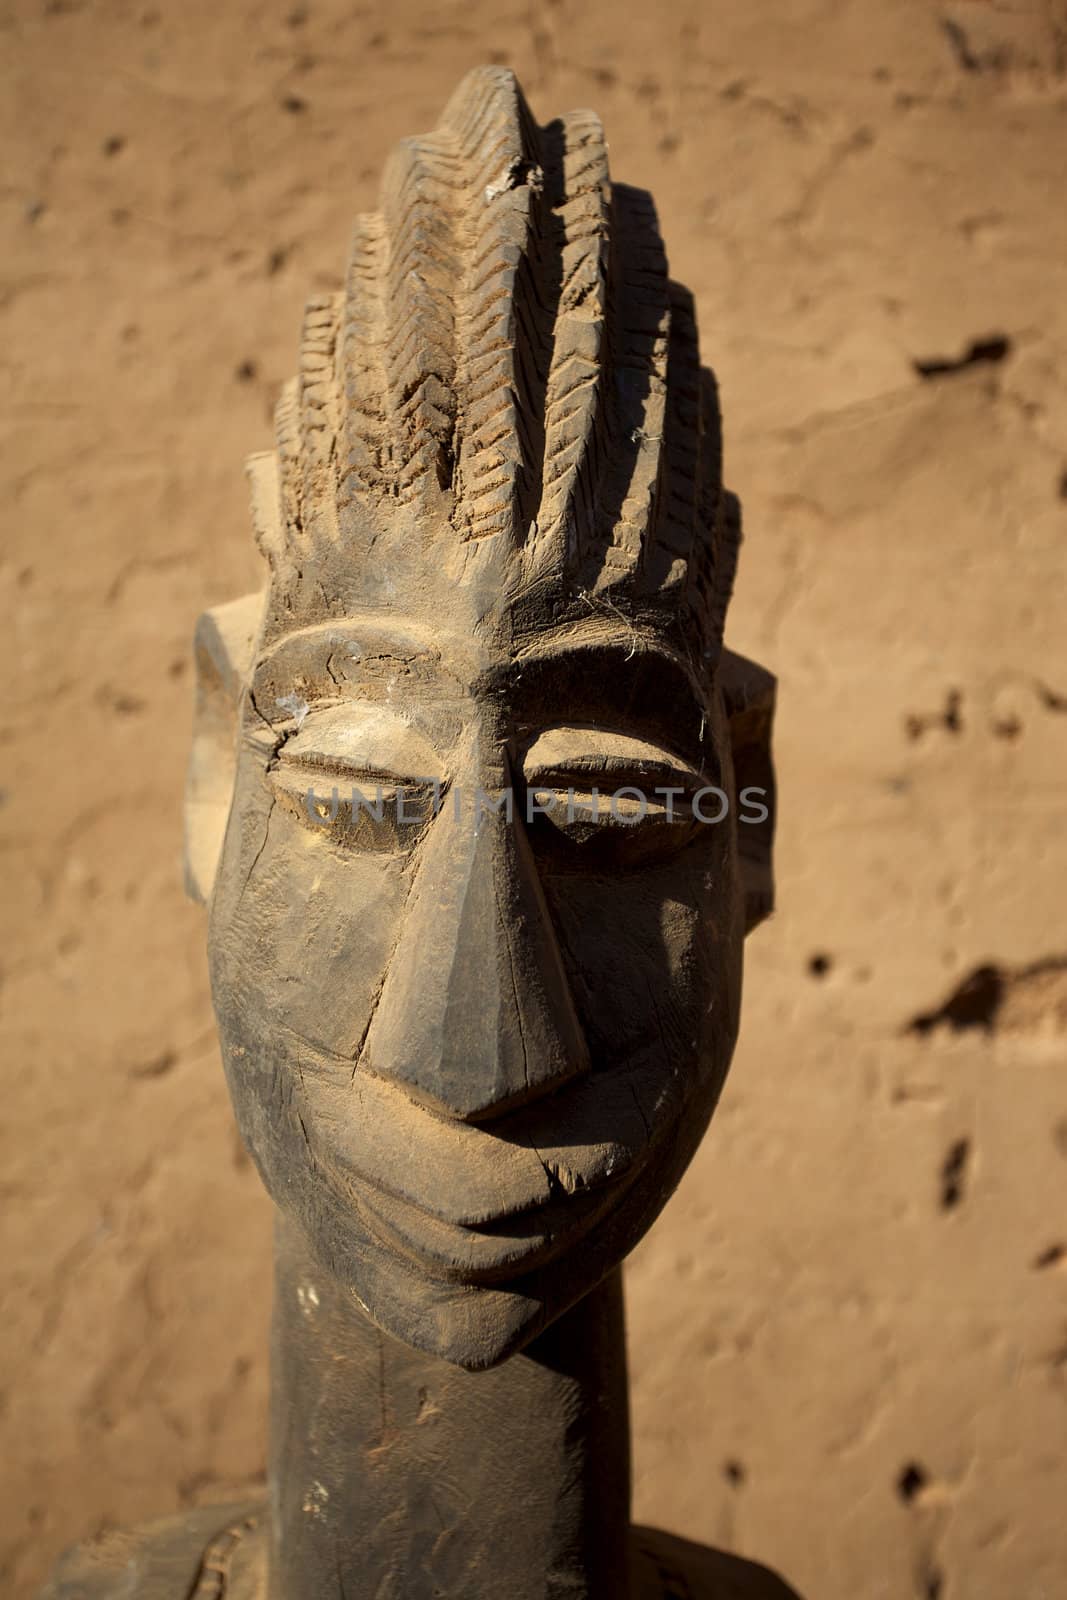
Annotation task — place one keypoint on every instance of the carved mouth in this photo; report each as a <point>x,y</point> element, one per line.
<point>450,1191</point>
<point>472,1204</point>
<point>497,1250</point>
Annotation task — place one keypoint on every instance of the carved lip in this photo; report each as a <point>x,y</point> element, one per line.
<point>495,1251</point>
<point>533,1172</point>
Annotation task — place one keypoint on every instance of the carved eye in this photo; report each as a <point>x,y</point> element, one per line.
<point>359,776</point>
<point>363,814</point>
<point>598,800</point>
<point>609,823</point>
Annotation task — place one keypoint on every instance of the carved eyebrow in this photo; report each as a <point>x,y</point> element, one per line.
<point>598,680</point>
<point>596,633</point>
<point>361,633</point>
<point>588,752</point>
<point>362,739</point>
<point>321,662</point>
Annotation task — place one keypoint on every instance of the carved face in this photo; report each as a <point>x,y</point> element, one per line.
<point>477,918</point>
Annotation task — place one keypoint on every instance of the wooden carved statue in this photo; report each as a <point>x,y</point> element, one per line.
<point>467,805</point>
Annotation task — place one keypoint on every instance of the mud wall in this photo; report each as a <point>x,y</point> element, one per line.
<point>849,1332</point>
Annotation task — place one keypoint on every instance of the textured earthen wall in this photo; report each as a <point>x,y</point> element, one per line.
<point>850,1330</point>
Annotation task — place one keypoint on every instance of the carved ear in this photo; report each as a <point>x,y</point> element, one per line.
<point>223,646</point>
<point>748,692</point>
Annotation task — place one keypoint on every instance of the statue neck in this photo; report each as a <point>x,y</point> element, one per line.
<point>394,1476</point>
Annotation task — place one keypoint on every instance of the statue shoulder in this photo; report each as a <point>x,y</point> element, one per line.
<point>215,1553</point>
<point>671,1568</point>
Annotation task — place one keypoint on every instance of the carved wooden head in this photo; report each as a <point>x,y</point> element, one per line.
<point>475,933</point>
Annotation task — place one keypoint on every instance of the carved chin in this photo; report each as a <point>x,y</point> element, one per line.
<point>473,1296</point>
<point>466,1240</point>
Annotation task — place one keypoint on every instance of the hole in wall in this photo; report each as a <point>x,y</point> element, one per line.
<point>954,1174</point>
<point>949,719</point>
<point>911,1482</point>
<point>974,1003</point>
<point>979,353</point>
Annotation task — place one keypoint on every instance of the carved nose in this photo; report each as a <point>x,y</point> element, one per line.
<point>476,1015</point>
